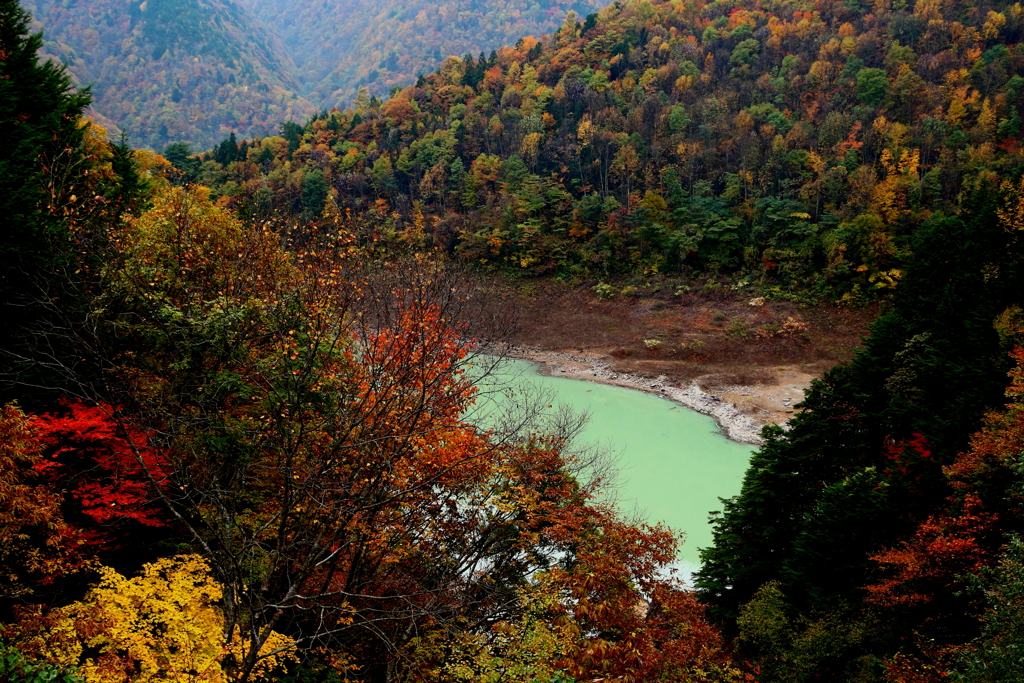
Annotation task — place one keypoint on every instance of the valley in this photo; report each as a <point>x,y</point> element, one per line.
<point>193,71</point>
<point>245,431</point>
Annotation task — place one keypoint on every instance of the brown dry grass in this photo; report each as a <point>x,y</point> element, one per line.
<point>748,376</point>
<point>759,358</point>
<point>717,336</point>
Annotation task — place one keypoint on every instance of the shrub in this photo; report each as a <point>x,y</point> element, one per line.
<point>17,668</point>
<point>738,329</point>
<point>789,329</point>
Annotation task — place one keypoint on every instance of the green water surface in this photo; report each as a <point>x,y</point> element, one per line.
<point>673,463</point>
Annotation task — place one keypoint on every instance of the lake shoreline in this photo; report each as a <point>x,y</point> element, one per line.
<point>732,423</point>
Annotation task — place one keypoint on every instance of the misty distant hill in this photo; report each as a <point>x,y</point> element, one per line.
<point>196,70</point>
<point>166,70</point>
<point>341,45</point>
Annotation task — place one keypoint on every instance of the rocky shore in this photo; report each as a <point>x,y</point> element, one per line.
<point>734,424</point>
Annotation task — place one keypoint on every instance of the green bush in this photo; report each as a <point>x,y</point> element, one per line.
<point>17,668</point>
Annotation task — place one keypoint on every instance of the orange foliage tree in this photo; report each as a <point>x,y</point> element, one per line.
<point>925,582</point>
<point>34,537</point>
<point>632,623</point>
<point>302,419</point>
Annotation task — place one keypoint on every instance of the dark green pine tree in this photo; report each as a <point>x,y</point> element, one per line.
<point>130,190</point>
<point>862,462</point>
<point>41,156</point>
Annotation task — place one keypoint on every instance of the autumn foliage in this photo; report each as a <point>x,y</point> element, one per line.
<point>930,579</point>
<point>161,625</point>
<point>34,537</point>
<point>267,459</point>
<point>303,422</point>
<point>801,147</point>
<point>109,470</point>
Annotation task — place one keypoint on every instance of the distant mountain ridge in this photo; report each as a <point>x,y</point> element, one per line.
<point>382,44</point>
<point>165,70</point>
<point>198,70</point>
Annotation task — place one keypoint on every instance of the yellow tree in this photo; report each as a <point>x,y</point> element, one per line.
<point>312,413</point>
<point>163,625</point>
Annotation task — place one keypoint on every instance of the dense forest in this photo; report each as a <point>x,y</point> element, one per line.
<point>236,450</point>
<point>194,70</point>
<point>235,441</point>
<point>174,70</point>
<point>877,537</point>
<point>797,143</point>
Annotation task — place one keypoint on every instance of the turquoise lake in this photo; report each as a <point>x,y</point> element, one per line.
<point>672,463</point>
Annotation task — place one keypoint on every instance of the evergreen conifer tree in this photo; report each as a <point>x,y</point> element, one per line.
<point>42,160</point>
<point>862,462</point>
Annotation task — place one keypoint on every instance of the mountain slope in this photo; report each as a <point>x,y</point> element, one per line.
<point>340,45</point>
<point>167,70</point>
<point>848,148</point>
<point>194,70</point>
<point>796,148</point>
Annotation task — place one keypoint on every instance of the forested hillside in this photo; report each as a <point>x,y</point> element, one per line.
<point>194,70</point>
<point>167,70</point>
<point>877,538</point>
<point>238,450</point>
<point>341,45</point>
<point>821,151</point>
<point>802,144</point>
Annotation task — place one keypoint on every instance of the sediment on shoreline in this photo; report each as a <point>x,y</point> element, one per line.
<point>731,421</point>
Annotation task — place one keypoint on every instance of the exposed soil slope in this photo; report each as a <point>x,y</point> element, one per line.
<point>715,347</point>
